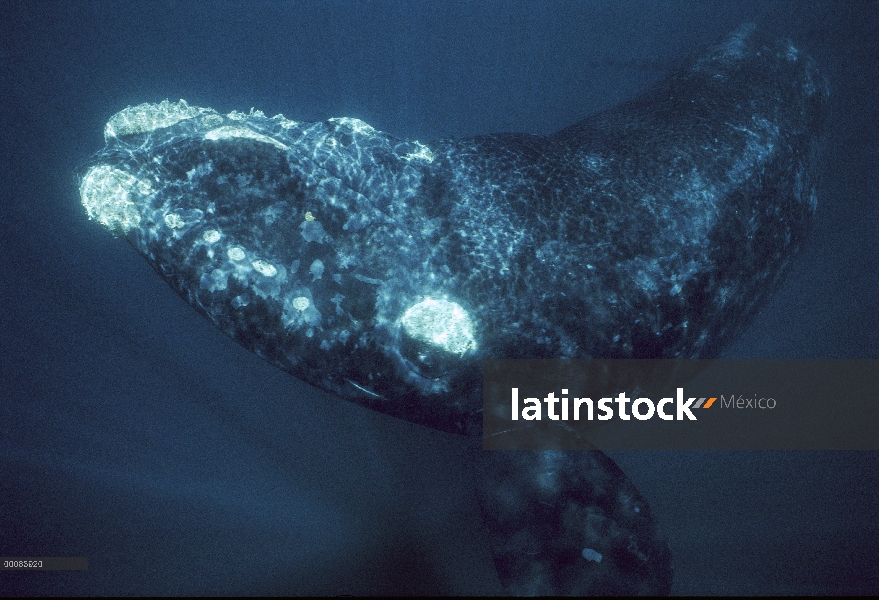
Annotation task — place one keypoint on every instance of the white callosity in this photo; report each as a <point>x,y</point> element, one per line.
<point>236,253</point>
<point>174,221</point>
<point>441,323</point>
<point>264,268</point>
<point>236,131</point>
<point>211,236</point>
<point>148,117</point>
<point>113,197</point>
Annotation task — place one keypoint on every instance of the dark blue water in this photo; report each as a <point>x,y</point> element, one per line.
<point>134,433</point>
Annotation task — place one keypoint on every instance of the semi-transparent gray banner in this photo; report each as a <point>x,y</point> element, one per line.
<point>681,404</point>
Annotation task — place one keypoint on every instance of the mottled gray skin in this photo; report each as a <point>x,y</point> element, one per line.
<point>651,230</point>
<point>546,512</point>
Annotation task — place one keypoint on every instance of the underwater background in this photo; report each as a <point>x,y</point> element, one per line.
<point>136,434</point>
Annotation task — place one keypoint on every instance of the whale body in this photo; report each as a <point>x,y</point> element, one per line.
<point>385,270</point>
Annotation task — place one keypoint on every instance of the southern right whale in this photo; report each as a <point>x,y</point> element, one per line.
<point>385,270</point>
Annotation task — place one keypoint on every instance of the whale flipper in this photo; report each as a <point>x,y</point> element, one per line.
<point>385,270</point>
<point>570,523</point>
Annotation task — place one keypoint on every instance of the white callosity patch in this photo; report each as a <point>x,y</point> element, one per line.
<point>147,117</point>
<point>182,220</point>
<point>440,323</point>
<point>236,253</point>
<point>174,221</point>
<point>227,132</point>
<point>262,276</point>
<point>211,236</point>
<point>300,303</point>
<point>264,268</point>
<point>112,197</point>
